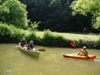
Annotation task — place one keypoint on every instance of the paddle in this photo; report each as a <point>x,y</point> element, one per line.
<point>16,46</point>
<point>41,49</point>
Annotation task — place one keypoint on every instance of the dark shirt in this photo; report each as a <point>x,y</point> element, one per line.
<point>30,46</point>
<point>23,43</point>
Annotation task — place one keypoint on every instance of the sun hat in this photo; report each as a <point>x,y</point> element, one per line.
<point>84,47</point>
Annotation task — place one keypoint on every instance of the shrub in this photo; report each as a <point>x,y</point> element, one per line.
<point>33,25</point>
<point>31,36</point>
<point>9,33</point>
<point>54,40</point>
<point>97,45</point>
<point>88,44</point>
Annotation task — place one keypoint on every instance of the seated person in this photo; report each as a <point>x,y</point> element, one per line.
<point>30,45</point>
<point>23,42</point>
<point>83,52</point>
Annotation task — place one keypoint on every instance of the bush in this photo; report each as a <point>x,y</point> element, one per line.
<point>31,36</point>
<point>33,25</point>
<point>9,33</point>
<point>98,43</point>
<point>88,44</point>
<point>54,40</point>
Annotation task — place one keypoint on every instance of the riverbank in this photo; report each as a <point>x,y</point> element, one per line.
<point>11,34</point>
<point>63,39</point>
<point>73,36</point>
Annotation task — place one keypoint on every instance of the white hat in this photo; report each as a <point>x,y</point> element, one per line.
<point>84,46</point>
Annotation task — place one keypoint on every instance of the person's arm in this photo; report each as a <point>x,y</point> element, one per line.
<point>80,50</point>
<point>85,52</point>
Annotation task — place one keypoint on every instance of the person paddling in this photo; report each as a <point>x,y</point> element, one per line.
<point>23,42</point>
<point>31,46</point>
<point>83,52</point>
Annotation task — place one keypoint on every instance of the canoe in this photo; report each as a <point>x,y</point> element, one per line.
<point>29,52</point>
<point>74,55</point>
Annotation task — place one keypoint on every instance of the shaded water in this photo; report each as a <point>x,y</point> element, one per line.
<point>50,62</point>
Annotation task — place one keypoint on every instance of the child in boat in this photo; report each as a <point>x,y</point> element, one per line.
<point>83,52</point>
<point>23,42</point>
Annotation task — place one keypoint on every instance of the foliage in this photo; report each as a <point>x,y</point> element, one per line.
<point>88,7</point>
<point>56,15</point>
<point>88,44</point>
<point>14,12</point>
<point>8,33</point>
<point>54,40</point>
<point>33,25</point>
<point>98,43</point>
<point>2,1</point>
<point>31,36</point>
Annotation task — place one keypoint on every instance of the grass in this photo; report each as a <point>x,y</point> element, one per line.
<point>70,36</point>
<point>73,36</point>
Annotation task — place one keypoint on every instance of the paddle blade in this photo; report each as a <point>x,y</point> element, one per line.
<point>41,49</point>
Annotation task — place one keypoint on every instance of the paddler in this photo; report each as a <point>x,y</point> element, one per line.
<point>23,42</point>
<point>83,51</point>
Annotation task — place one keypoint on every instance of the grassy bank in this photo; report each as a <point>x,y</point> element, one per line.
<point>63,39</point>
<point>73,36</point>
<point>11,34</point>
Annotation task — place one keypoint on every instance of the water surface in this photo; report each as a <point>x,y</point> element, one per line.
<point>50,62</point>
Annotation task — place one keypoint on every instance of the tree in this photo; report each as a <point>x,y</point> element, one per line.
<point>56,15</point>
<point>14,12</point>
<point>86,7</point>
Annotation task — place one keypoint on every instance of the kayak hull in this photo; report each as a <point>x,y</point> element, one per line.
<point>79,57</point>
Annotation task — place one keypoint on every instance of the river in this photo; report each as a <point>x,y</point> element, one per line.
<point>49,62</point>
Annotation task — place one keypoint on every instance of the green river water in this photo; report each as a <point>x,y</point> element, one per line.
<point>50,62</point>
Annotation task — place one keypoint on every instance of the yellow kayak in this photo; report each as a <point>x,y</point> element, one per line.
<point>79,57</point>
